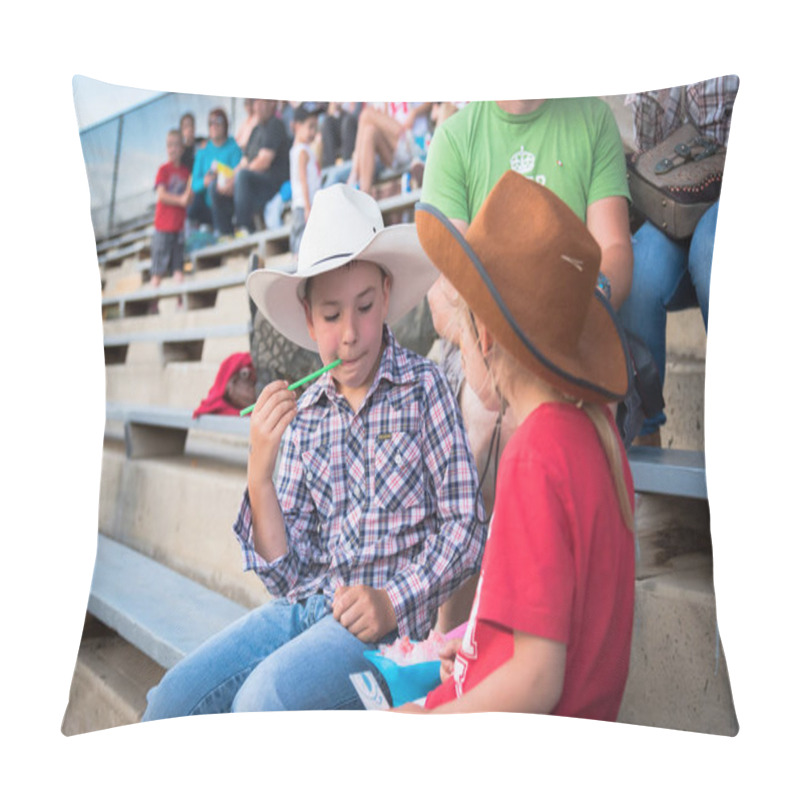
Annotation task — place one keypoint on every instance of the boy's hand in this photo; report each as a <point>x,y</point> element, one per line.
<point>366,612</point>
<point>447,654</point>
<point>275,408</point>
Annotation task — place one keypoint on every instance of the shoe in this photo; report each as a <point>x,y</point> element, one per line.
<point>647,440</point>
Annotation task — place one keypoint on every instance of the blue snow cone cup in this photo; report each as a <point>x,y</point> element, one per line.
<point>406,683</point>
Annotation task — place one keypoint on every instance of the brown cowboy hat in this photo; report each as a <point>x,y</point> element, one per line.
<point>528,268</point>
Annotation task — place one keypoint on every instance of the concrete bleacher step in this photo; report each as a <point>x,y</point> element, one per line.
<point>684,384</point>
<point>110,682</point>
<point>180,511</point>
<point>678,675</point>
<point>670,530</point>
<point>179,384</point>
<point>161,612</point>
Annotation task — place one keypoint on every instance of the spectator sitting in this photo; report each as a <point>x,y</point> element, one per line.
<point>259,175</point>
<point>191,142</point>
<point>671,275</point>
<point>220,149</point>
<point>472,149</point>
<point>173,193</point>
<point>249,122</point>
<point>339,128</point>
<point>304,171</point>
<point>391,131</point>
<point>234,387</point>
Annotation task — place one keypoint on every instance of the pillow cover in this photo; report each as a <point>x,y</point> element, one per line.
<point>168,574</point>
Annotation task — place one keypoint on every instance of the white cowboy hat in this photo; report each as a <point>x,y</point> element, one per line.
<point>344,225</point>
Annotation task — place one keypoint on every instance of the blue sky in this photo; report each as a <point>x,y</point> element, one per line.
<point>96,101</point>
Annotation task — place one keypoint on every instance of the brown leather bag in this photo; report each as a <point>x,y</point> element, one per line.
<point>675,183</point>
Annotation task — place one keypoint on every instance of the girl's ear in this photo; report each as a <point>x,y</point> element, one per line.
<point>485,340</point>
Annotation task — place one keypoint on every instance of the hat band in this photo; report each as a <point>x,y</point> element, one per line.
<point>510,318</point>
<point>330,258</point>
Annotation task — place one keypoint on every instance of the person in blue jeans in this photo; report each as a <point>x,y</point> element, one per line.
<point>221,149</point>
<point>374,518</point>
<point>668,275</point>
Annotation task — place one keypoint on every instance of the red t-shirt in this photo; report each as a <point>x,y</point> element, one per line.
<point>559,563</point>
<point>168,218</point>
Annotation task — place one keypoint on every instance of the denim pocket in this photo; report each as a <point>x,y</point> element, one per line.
<point>398,471</point>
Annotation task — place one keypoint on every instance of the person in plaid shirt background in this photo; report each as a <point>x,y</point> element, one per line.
<point>375,517</point>
<point>670,275</point>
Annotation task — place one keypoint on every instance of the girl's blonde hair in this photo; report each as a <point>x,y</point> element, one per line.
<point>505,371</point>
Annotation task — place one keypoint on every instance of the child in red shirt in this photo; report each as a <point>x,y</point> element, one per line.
<point>551,622</point>
<point>173,195</point>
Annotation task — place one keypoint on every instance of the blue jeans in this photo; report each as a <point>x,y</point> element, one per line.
<point>667,276</point>
<point>251,192</point>
<point>280,657</point>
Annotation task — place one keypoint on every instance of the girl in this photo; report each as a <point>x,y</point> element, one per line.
<point>550,627</point>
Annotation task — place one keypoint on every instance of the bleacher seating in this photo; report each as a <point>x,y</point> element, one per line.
<point>168,571</point>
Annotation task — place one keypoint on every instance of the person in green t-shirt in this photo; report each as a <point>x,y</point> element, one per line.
<point>573,147</point>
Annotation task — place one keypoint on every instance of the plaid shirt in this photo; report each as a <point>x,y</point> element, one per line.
<point>707,104</point>
<point>384,497</point>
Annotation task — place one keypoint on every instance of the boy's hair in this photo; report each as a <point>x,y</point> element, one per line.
<point>220,112</point>
<point>187,115</point>
<point>174,132</point>
<point>301,114</point>
<point>504,370</point>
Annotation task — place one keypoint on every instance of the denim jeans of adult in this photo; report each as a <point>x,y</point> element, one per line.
<point>281,656</point>
<point>199,212</point>
<point>251,192</point>
<point>667,276</point>
<point>221,210</point>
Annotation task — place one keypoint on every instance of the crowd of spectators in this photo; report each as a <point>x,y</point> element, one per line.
<point>245,181</point>
<point>284,151</point>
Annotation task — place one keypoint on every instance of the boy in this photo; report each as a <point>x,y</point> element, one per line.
<point>304,172</point>
<point>374,517</point>
<point>173,194</point>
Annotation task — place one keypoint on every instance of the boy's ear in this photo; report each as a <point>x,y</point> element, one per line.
<point>387,291</point>
<point>309,319</point>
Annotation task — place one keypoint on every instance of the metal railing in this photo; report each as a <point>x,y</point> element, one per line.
<point>122,154</point>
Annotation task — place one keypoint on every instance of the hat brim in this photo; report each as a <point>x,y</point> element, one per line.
<point>396,249</point>
<point>596,371</point>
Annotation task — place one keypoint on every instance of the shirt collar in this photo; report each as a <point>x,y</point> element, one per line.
<point>395,367</point>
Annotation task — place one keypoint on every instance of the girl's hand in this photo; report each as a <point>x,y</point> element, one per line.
<point>275,408</point>
<point>447,654</point>
<point>411,708</point>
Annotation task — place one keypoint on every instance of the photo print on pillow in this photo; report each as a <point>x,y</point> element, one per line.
<point>191,193</point>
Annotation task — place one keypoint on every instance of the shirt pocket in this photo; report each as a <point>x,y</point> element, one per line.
<point>317,467</point>
<point>398,476</point>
